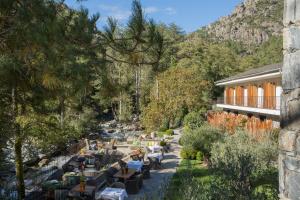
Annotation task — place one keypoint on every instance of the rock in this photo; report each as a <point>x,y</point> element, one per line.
<point>252,22</point>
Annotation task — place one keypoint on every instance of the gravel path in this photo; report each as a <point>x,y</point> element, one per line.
<point>153,187</point>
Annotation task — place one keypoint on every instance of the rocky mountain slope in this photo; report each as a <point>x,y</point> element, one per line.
<point>252,22</point>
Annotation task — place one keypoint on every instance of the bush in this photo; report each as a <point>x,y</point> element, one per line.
<point>243,162</point>
<point>188,153</point>
<point>163,143</point>
<point>194,120</point>
<point>180,142</point>
<point>169,132</point>
<point>201,139</point>
<point>199,156</point>
<point>164,126</point>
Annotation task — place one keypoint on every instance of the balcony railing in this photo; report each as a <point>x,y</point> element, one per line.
<point>263,102</point>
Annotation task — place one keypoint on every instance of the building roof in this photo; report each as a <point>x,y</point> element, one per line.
<point>254,72</point>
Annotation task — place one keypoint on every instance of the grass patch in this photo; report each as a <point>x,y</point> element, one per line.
<point>188,172</point>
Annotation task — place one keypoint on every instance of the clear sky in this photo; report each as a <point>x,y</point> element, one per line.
<point>188,14</point>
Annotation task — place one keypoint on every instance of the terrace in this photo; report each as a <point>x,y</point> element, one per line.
<point>95,168</point>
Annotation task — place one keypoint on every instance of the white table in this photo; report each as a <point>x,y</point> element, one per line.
<point>155,148</point>
<point>113,194</point>
<point>159,156</point>
<point>137,165</point>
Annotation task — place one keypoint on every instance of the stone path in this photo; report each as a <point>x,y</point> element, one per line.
<point>153,187</point>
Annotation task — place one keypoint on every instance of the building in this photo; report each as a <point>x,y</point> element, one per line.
<point>251,98</point>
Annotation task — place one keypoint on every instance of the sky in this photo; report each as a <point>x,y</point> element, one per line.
<point>190,15</point>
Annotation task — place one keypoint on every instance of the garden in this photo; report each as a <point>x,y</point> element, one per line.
<point>218,165</point>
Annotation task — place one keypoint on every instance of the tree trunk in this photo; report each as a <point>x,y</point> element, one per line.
<point>157,90</point>
<point>18,147</point>
<point>62,111</point>
<point>137,91</point>
<point>19,167</point>
<point>120,106</point>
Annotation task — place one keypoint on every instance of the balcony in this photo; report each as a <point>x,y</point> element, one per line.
<point>258,104</point>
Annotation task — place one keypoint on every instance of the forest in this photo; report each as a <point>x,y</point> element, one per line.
<point>61,75</point>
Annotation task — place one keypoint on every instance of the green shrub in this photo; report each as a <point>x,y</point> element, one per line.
<point>188,153</point>
<point>243,162</point>
<point>201,139</point>
<point>194,119</point>
<point>266,191</point>
<point>180,142</point>
<point>199,156</point>
<point>169,132</point>
<point>162,143</point>
<point>164,126</point>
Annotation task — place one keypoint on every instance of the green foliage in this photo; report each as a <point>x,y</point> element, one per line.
<point>179,89</point>
<point>162,143</point>
<point>189,182</point>
<point>169,132</point>
<point>199,156</point>
<point>201,139</point>
<point>266,191</point>
<point>242,162</point>
<point>194,119</point>
<point>188,153</point>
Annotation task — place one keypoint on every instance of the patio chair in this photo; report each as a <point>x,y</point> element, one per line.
<point>61,194</point>
<point>118,185</point>
<point>97,181</point>
<point>110,175</point>
<point>146,171</point>
<point>122,164</point>
<point>140,180</point>
<point>132,186</point>
<point>90,162</point>
<point>155,163</point>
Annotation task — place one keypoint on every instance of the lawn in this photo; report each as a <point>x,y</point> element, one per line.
<point>189,172</point>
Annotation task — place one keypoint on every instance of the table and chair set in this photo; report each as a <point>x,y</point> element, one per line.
<point>83,178</point>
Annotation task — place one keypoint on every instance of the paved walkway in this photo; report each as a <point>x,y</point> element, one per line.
<point>153,187</point>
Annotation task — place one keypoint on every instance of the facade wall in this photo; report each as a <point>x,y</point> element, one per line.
<point>259,94</point>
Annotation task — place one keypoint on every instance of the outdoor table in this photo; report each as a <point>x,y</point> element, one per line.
<point>90,172</point>
<point>124,176</point>
<point>155,148</point>
<point>113,193</point>
<point>156,155</point>
<point>89,190</point>
<point>137,165</point>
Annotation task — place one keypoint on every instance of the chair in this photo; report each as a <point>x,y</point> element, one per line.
<point>146,171</point>
<point>110,175</point>
<point>154,163</point>
<point>122,164</point>
<point>61,194</point>
<point>132,186</point>
<point>118,185</point>
<point>140,180</point>
<point>97,181</point>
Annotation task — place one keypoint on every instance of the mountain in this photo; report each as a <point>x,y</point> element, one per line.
<point>252,22</point>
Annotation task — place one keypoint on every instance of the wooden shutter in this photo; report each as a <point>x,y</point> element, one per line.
<point>240,95</point>
<point>269,95</point>
<point>252,95</point>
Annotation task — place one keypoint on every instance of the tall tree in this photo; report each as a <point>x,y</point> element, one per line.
<point>138,44</point>
<point>45,59</point>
